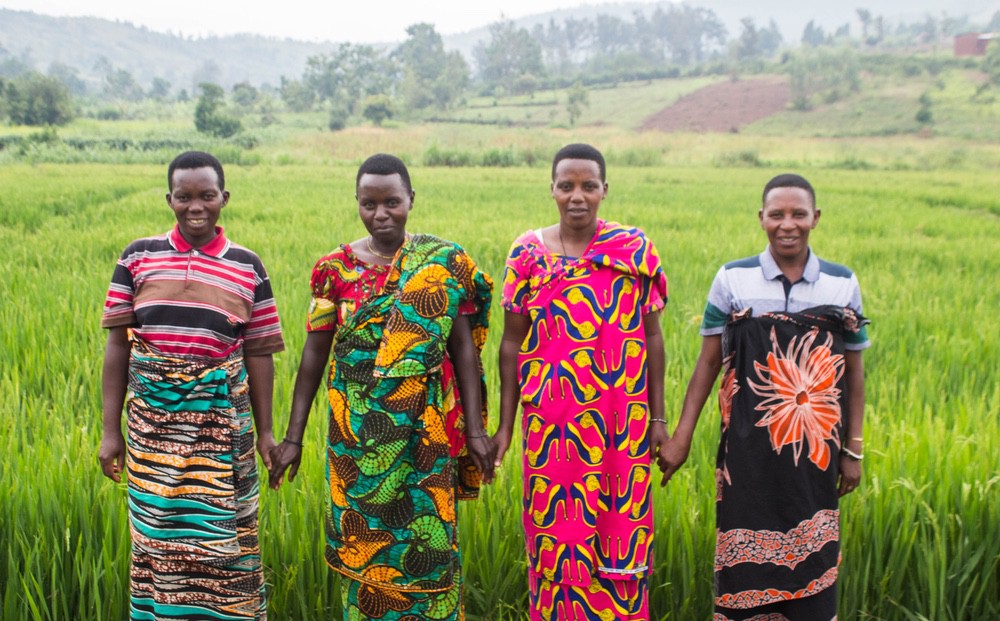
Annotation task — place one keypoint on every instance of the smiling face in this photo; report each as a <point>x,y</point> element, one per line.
<point>196,199</point>
<point>787,217</point>
<point>578,191</point>
<point>383,205</point>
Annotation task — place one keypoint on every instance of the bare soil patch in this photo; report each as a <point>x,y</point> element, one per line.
<point>723,107</point>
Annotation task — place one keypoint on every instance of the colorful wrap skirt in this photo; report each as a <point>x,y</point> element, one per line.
<point>777,516</point>
<point>192,490</point>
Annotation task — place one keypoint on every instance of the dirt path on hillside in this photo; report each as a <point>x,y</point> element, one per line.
<point>723,107</point>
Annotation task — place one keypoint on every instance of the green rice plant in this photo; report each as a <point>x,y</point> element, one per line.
<point>921,537</point>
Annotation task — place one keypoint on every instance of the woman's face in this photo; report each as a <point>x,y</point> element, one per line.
<point>578,191</point>
<point>788,216</point>
<point>196,199</point>
<point>383,205</point>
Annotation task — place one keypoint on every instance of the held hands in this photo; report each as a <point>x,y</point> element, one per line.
<point>285,456</point>
<point>483,451</point>
<point>501,439</point>
<point>672,455</point>
<point>266,444</point>
<point>112,455</point>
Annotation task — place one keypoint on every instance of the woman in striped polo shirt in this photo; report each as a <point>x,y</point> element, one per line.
<point>192,329</point>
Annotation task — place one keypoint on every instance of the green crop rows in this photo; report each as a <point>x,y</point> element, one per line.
<point>921,536</point>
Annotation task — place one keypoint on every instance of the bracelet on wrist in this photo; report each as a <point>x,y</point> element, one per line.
<point>658,420</point>
<point>851,454</point>
<point>296,443</point>
<point>476,436</point>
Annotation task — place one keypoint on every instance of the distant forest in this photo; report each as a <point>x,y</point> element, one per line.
<point>104,69</point>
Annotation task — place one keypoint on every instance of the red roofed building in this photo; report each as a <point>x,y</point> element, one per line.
<point>973,43</point>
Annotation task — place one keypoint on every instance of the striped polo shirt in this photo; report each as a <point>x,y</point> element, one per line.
<point>204,301</point>
<point>758,283</point>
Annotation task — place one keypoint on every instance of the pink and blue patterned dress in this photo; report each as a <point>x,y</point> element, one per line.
<point>587,513</point>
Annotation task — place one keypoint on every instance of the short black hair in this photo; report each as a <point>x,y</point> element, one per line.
<point>190,160</point>
<point>578,151</point>
<point>788,180</point>
<point>384,164</point>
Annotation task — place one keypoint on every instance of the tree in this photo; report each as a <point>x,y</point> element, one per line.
<point>748,45</point>
<point>688,32</point>
<point>510,54</point>
<point>865,17</point>
<point>296,96</point>
<point>377,108</point>
<point>991,64</point>
<point>757,43</point>
<point>770,39</point>
<point>350,74</point>
<point>924,115</point>
<point>576,101</point>
<point>70,76</point>
<point>244,95</point>
<point>119,84</point>
<point>813,35</point>
<point>208,118</point>
<point>160,89</point>
<point>431,76</point>
<point>452,81</point>
<point>11,66</point>
<point>610,33</point>
<point>35,99</point>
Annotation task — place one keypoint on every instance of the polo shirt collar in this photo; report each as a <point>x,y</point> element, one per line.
<point>214,248</point>
<point>771,270</point>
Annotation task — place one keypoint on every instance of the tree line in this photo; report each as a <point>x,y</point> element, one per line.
<point>420,74</point>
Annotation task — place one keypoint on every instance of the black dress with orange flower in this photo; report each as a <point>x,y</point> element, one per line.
<point>777,516</point>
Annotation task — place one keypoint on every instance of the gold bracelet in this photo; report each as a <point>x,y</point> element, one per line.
<point>857,438</point>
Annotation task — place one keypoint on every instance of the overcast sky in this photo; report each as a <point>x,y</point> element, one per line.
<point>360,21</point>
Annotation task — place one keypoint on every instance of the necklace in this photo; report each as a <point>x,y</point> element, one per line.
<point>561,244</point>
<point>368,242</point>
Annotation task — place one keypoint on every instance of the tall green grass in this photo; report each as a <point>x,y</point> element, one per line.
<point>921,535</point>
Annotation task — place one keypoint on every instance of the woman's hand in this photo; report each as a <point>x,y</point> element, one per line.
<point>501,439</point>
<point>112,455</point>
<point>483,452</point>
<point>658,438</point>
<point>850,475</point>
<point>266,444</point>
<point>285,456</point>
<point>672,456</point>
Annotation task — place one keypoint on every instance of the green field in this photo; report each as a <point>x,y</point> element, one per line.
<point>913,209</point>
<point>921,536</point>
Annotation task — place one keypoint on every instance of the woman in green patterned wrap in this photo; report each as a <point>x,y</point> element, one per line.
<point>406,318</point>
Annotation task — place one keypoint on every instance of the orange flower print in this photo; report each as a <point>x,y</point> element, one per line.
<point>727,391</point>
<point>427,291</point>
<point>801,398</point>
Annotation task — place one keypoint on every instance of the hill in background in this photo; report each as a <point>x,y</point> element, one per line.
<point>89,46</point>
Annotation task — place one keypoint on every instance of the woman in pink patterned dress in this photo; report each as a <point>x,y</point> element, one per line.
<point>582,352</point>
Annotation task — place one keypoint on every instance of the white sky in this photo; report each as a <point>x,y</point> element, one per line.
<point>359,21</point>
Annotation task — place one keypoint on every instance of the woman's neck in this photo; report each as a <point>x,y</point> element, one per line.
<point>573,242</point>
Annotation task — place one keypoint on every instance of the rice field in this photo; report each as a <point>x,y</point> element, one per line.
<point>921,535</point>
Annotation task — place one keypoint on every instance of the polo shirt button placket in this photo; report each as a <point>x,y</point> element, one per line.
<point>187,274</point>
